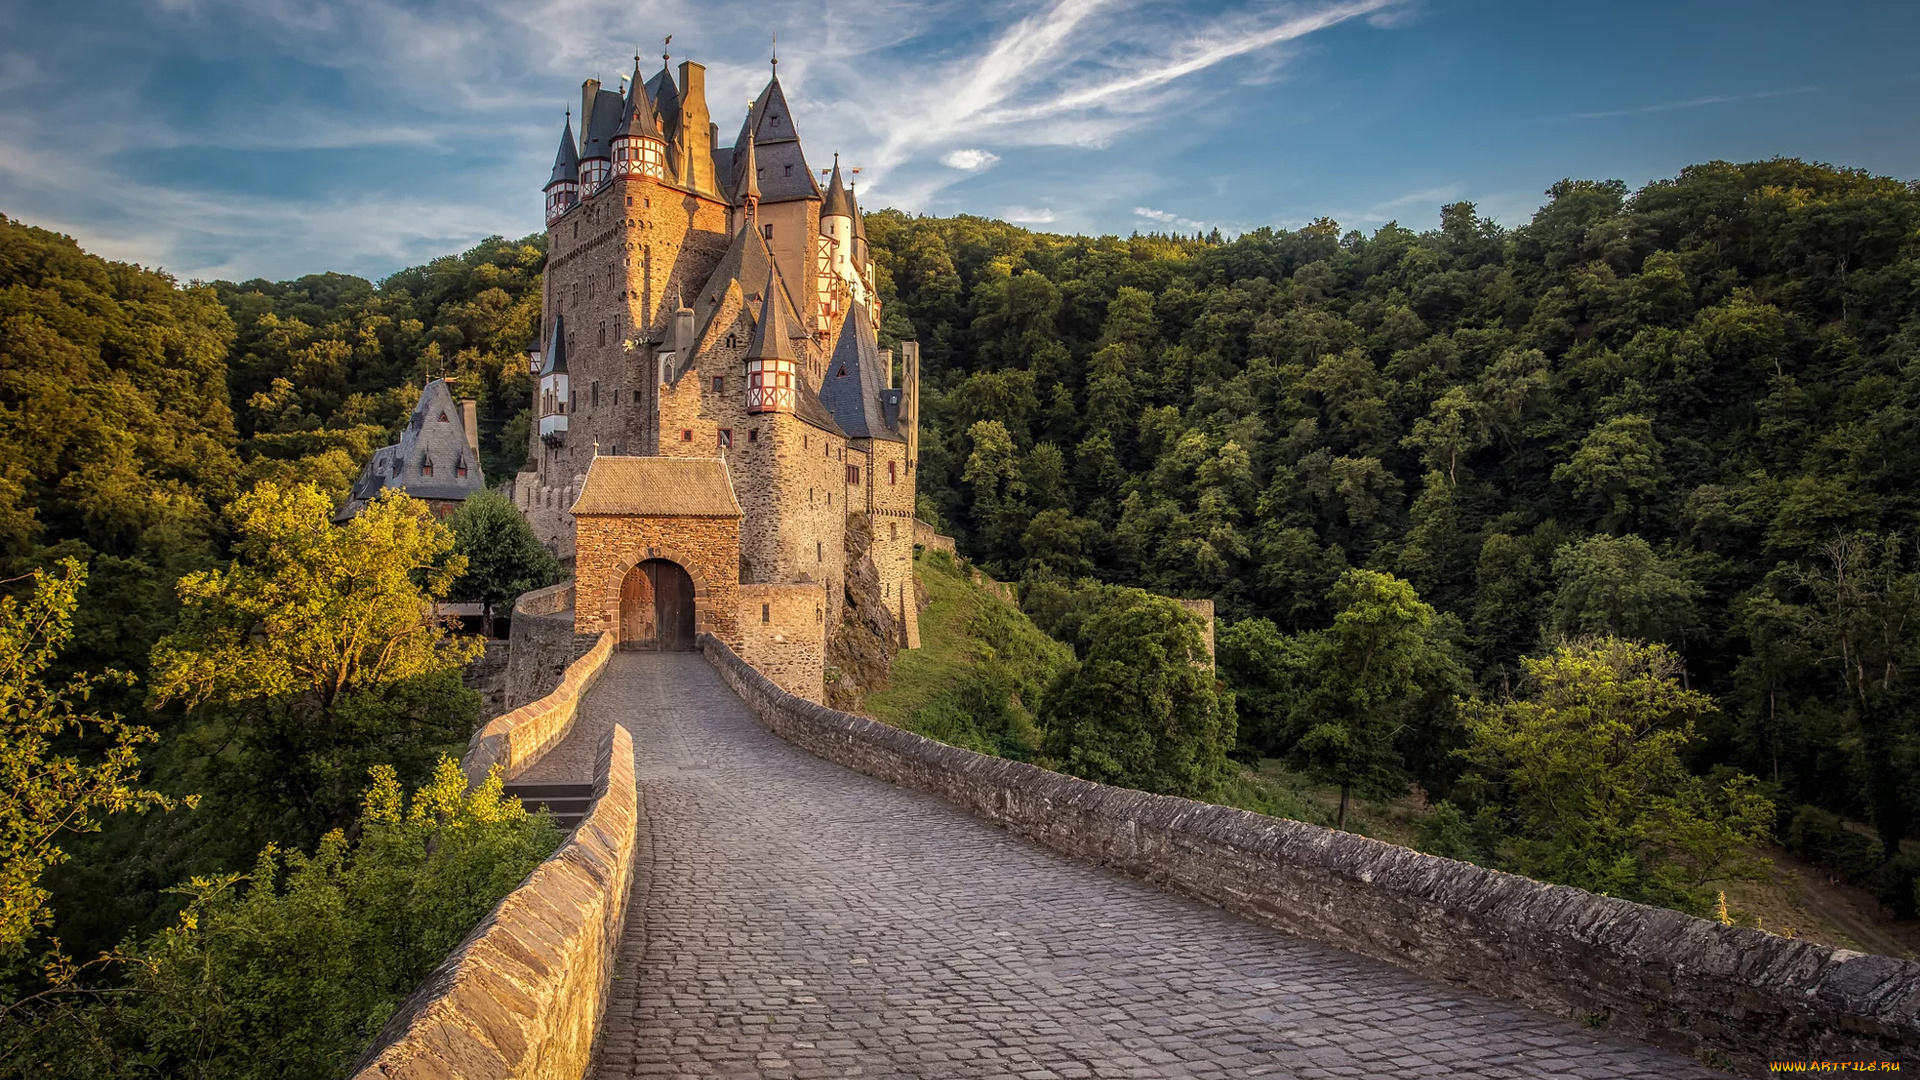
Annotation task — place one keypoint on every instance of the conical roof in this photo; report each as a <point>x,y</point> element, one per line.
<point>556,358</point>
<point>566,163</point>
<point>750,175</point>
<point>772,121</point>
<point>784,175</point>
<point>859,219</point>
<point>853,387</point>
<point>637,118</point>
<point>838,203</point>
<point>772,337</point>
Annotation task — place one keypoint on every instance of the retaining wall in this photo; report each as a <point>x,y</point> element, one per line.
<point>1727,994</point>
<point>523,995</point>
<point>540,636</point>
<point>521,737</point>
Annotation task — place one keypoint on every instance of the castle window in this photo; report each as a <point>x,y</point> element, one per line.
<point>892,469</point>
<point>817,616</point>
<point>629,200</point>
<point>893,530</point>
<point>603,329</point>
<point>809,494</point>
<point>616,449</point>
<point>753,434</point>
<point>829,498</point>
<point>819,552</point>
<point>784,379</point>
<point>803,441</point>
<point>594,387</point>
<point>853,474</point>
<point>753,381</point>
<point>573,401</point>
<point>460,469</point>
<point>426,466</point>
<point>766,613</point>
<point>768,229</point>
<point>726,438</point>
<point>788,172</point>
<point>719,384</point>
<point>686,434</point>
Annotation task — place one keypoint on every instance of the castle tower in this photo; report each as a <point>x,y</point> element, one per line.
<point>599,117</point>
<point>638,148</point>
<point>838,224</point>
<point>551,403</point>
<point>563,190</point>
<point>772,367</point>
<point>788,198</point>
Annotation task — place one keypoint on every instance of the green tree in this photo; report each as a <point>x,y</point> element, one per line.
<point>318,652</point>
<point>1268,671</point>
<point>1450,431</point>
<point>47,795</point>
<point>1620,586</point>
<point>503,557</point>
<point>289,971</point>
<point>1142,707</point>
<point>1588,768</point>
<point>1616,469</point>
<point>1365,676</point>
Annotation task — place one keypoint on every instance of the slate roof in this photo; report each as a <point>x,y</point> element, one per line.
<point>748,262</point>
<point>666,101</point>
<point>555,360</point>
<point>772,335</point>
<point>657,487</point>
<point>783,173</point>
<point>566,163</point>
<point>838,203</point>
<point>855,382</point>
<point>436,431</point>
<point>637,117</point>
<point>597,138</point>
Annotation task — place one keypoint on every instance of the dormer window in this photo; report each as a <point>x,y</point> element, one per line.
<point>788,172</point>
<point>460,469</point>
<point>426,466</point>
<point>443,416</point>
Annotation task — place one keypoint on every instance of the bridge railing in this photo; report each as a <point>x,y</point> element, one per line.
<point>1720,992</point>
<point>523,995</point>
<point>515,740</point>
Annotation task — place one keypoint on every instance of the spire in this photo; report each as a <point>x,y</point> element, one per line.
<point>637,119</point>
<point>750,185</point>
<point>772,339</point>
<point>859,219</point>
<point>839,203</point>
<point>566,163</point>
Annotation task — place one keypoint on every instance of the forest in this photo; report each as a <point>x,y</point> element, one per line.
<point>1626,490</point>
<point>1683,416</point>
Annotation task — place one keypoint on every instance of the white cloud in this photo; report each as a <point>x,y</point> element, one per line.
<point>1028,215</point>
<point>1165,217</point>
<point>969,160</point>
<point>1694,103</point>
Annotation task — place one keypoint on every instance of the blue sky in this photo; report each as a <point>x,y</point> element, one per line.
<point>242,138</point>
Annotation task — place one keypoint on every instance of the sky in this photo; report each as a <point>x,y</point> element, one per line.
<point>274,138</point>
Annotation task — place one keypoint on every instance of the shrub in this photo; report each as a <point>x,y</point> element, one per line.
<point>1819,837</point>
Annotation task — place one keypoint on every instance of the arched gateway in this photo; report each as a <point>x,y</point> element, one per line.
<point>657,559</point>
<point>657,607</point>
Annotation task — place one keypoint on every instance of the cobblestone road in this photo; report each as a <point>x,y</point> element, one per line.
<point>802,920</point>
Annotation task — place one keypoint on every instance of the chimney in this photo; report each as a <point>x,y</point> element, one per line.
<point>469,415</point>
<point>589,93</point>
<point>910,399</point>
<point>696,127</point>
<point>886,366</point>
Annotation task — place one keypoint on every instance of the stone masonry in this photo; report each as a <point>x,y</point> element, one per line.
<point>783,629</point>
<point>801,920</point>
<point>706,547</point>
<point>1727,993</point>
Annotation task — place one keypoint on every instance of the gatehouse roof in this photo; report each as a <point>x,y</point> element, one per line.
<point>657,487</point>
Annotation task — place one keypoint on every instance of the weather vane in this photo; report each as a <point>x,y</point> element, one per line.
<point>664,55</point>
<point>776,52</point>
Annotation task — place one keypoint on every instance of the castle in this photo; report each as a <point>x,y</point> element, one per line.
<point>708,346</point>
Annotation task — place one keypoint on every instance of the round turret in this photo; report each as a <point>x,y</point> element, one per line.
<point>638,146</point>
<point>563,190</point>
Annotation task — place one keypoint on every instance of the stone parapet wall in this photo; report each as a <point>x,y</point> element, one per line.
<point>523,995</point>
<point>540,643</point>
<point>1727,993</point>
<point>924,536</point>
<point>517,740</point>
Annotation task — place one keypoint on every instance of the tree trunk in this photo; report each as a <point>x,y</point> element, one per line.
<point>1340,822</point>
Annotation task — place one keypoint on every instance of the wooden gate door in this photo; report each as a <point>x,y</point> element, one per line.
<point>672,604</point>
<point>637,617</point>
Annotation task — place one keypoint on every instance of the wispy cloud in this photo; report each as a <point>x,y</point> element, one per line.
<point>1028,215</point>
<point>1165,217</point>
<point>1695,103</point>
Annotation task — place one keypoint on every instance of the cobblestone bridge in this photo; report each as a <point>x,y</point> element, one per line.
<point>801,920</point>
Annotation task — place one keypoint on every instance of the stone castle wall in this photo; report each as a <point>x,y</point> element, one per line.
<point>888,493</point>
<point>540,643</point>
<point>1660,975</point>
<point>924,536</point>
<point>783,633</point>
<point>516,740</point>
<point>706,547</point>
